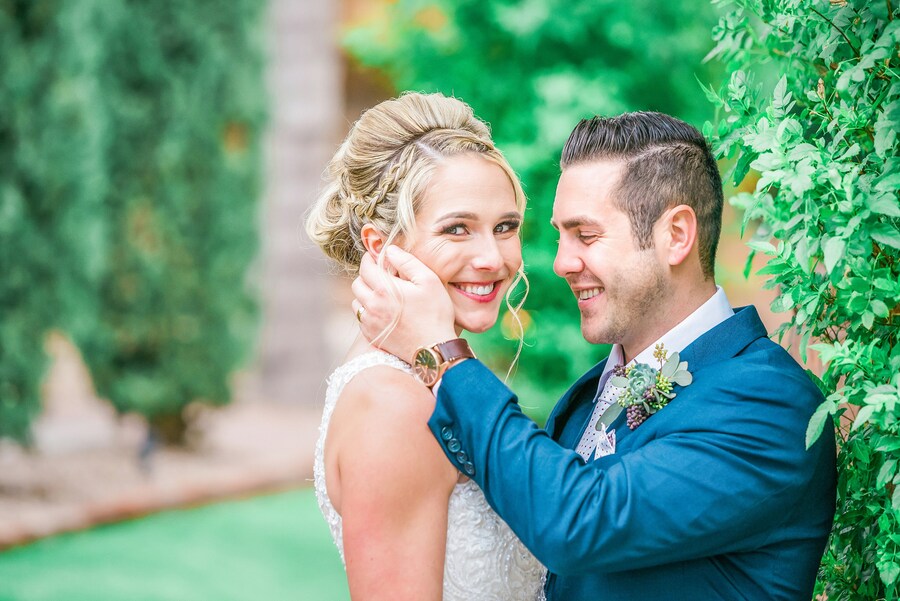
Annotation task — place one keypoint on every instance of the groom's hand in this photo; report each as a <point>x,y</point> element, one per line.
<point>419,303</point>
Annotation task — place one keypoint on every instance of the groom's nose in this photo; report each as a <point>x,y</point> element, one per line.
<point>567,260</point>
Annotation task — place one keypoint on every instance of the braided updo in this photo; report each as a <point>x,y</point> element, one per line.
<point>381,170</point>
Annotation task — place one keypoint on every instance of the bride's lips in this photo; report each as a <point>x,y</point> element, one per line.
<point>482,292</point>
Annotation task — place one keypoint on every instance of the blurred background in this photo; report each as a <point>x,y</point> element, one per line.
<point>166,330</point>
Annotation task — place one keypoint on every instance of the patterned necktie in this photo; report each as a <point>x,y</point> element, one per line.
<point>589,439</point>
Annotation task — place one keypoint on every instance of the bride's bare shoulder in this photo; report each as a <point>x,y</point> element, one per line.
<point>388,392</point>
<point>383,417</point>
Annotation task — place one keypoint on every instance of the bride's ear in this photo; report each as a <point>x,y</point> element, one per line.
<point>372,240</point>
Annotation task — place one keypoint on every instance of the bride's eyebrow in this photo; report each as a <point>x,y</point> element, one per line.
<point>475,216</point>
<point>470,216</point>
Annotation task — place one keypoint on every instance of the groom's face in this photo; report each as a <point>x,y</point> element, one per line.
<point>616,284</point>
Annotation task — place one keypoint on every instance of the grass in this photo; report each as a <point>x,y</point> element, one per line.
<point>272,548</point>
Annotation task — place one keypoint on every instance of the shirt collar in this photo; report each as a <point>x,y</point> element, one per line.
<point>707,316</point>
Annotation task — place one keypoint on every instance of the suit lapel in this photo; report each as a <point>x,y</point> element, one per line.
<point>725,340</point>
<point>557,417</point>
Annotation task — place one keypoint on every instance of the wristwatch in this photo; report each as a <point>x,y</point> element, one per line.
<point>430,363</point>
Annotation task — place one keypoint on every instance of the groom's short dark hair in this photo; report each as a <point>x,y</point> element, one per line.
<point>666,163</point>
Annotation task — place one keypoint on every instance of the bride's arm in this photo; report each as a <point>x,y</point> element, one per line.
<point>394,489</point>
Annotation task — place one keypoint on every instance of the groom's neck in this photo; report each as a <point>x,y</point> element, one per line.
<point>681,302</point>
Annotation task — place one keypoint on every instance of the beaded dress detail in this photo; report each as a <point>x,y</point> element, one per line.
<point>484,560</point>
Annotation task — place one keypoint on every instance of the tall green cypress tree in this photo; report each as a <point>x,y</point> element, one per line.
<point>183,86</point>
<point>53,179</point>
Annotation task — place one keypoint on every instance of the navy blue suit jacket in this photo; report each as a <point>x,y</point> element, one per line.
<point>714,497</point>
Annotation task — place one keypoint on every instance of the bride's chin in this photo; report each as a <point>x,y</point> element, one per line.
<point>475,328</point>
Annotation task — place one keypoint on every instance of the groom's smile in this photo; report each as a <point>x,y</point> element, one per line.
<point>588,294</point>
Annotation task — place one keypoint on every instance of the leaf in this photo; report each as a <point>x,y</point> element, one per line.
<point>834,251</point>
<point>710,93</point>
<point>884,139</point>
<point>767,161</point>
<point>781,97</point>
<point>888,444</point>
<point>890,570</point>
<point>885,284</point>
<point>886,473</point>
<point>886,205</point>
<point>683,378</point>
<point>863,416</point>
<point>817,422</point>
<point>886,235</point>
<point>879,308</point>
<point>619,381</point>
<point>748,264</point>
<point>868,319</point>
<point>671,365</point>
<point>804,343</point>
<point>762,246</point>
<point>889,183</point>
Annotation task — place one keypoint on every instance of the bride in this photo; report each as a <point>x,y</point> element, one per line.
<point>419,171</point>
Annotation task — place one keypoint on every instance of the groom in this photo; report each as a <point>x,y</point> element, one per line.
<point>711,496</point>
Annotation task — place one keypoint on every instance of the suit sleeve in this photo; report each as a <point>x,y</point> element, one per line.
<point>715,486</point>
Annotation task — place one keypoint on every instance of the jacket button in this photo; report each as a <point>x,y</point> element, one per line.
<point>469,468</point>
<point>446,433</point>
<point>454,445</point>
<point>462,457</point>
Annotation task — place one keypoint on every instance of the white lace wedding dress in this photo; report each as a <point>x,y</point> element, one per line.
<point>484,560</point>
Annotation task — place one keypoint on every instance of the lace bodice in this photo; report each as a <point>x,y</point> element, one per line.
<point>484,560</point>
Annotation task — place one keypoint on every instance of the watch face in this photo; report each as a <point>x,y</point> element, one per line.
<point>426,366</point>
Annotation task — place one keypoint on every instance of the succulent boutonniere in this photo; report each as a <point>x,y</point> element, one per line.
<point>647,389</point>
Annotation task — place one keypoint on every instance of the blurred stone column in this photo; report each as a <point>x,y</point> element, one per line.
<point>305,76</point>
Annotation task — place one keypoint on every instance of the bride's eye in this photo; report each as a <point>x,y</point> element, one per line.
<point>506,227</point>
<point>457,229</point>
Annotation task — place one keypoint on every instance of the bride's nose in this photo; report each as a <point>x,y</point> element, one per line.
<point>487,255</point>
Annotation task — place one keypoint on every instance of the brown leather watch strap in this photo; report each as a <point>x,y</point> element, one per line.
<point>454,349</point>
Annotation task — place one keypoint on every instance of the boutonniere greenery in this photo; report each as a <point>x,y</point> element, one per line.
<point>648,389</point>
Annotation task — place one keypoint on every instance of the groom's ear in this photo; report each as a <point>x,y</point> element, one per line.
<point>678,233</point>
<point>372,239</point>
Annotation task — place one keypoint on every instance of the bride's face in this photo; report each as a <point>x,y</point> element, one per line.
<point>467,232</point>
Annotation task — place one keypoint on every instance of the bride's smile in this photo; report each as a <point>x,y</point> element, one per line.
<point>483,293</point>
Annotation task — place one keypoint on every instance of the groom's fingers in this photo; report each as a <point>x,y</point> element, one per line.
<point>364,295</point>
<point>375,283</point>
<point>368,271</point>
<point>410,268</point>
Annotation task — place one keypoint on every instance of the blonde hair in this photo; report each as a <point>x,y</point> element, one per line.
<point>381,171</point>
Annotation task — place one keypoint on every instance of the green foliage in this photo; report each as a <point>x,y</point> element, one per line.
<point>826,212</point>
<point>53,179</point>
<point>129,168</point>
<point>533,69</point>
<point>182,83</point>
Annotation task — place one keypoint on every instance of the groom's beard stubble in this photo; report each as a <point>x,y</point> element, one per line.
<point>631,298</point>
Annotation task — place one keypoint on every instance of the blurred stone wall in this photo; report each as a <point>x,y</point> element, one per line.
<point>305,81</point>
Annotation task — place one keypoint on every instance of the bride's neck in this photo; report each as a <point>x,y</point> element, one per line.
<point>359,347</point>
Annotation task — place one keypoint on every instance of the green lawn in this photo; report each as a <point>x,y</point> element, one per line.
<point>271,548</point>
